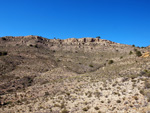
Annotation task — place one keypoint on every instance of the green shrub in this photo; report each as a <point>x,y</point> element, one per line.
<point>121,57</point>
<point>130,53</point>
<point>110,61</point>
<point>91,65</point>
<point>138,53</point>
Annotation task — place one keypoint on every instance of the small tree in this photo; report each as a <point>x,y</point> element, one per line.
<point>98,37</point>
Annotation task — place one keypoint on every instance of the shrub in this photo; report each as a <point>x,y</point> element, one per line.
<point>96,108</point>
<point>130,52</point>
<point>110,62</point>
<point>47,93</point>
<point>138,53</point>
<point>135,50</point>
<point>85,109</point>
<point>133,45</point>
<point>36,46</point>
<point>98,37</point>
<point>31,45</point>
<point>142,92</point>
<point>3,53</point>
<point>91,65</point>
<point>65,111</point>
<point>118,101</point>
<point>3,38</point>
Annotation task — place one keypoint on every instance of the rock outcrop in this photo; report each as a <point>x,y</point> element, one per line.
<point>146,54</point>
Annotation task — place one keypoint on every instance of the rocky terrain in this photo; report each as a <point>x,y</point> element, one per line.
<point>86,75</point>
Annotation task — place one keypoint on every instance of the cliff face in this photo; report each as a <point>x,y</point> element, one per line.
<point>77,75</point>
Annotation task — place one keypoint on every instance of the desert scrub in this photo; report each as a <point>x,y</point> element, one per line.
<point>142,91</point>
<point>110,61</point>
<point>65,111</point>
<point>86,108</point>
<point>62,105</point>
<point>133,76</point>
<point>96,108</point>
<point>3,53</point>
<point>118,101</point>
<point>130,53</point>
<point>91,65</point>
<point>135,97</point>
<point>138,53</point>
<point>3,38</point>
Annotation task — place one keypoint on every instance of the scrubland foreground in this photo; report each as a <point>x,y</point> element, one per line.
<point>86,75</point>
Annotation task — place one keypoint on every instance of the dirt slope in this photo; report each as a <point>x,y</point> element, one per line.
<point>72,75</point>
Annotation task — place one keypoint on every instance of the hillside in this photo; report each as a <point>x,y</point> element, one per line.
<point>92,75</point>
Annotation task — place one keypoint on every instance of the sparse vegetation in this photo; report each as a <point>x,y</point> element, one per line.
<point>3,38</point>
<point>138,53</point>
<point>3,53</point>
<point>130,53</point>
<point>96,108</point>
<point>91,65</point>
<point>118,101</point>
<point>69,76</point>
<point>98,37</point>
<point>135,49</point>
<point>110,62</point>
<point>85,109</point>
<point>65,111</point>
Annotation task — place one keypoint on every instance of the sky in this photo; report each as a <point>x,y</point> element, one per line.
<point>121,21</point>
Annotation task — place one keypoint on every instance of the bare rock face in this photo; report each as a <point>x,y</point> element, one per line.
<point>87,40</point>
<point>70,40</point>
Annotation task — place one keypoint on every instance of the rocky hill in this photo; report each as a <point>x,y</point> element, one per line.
<point>92,75</point>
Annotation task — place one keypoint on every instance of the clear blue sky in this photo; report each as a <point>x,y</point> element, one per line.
<point>122,21</point>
